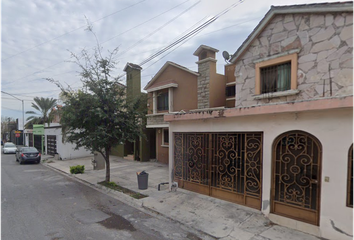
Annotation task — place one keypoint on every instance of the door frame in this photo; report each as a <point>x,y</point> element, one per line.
<point>284,206</point>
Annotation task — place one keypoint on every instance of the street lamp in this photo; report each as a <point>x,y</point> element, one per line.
<point>23,116</point>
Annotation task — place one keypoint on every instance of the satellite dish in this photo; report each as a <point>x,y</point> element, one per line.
<point>226,55</point>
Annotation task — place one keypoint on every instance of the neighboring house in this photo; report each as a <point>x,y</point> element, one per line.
<point>139,149</point>
<point>54,144</point>
<point>286,148</point>
<point>174,88</point>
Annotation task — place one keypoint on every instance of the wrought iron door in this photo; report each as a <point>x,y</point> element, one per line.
<point>297,176</point>
<point>222,165</point>
<point>51,144</point>
<point>38,142</point>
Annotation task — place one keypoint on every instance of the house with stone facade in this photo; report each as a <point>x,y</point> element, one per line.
<point>286,147</point>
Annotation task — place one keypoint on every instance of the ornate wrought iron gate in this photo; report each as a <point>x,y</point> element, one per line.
<point>297,176</point>
<point>223,165</point>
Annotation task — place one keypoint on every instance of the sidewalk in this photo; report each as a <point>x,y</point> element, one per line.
<point>217,218</point>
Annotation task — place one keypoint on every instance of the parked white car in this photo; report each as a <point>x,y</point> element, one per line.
<point>9,147</point>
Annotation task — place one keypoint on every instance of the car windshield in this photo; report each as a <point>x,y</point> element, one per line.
<point>9,145</point>
<point>30,149</point>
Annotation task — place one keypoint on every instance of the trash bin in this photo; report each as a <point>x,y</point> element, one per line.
<point>142,180</point>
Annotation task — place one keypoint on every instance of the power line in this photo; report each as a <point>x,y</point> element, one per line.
<point>50,40</point>
<point>15,99</point>
<point>16,110</point>
<point>158,29</point>
<point>144,22</point>
<point>192,33</point>
<point>39,71</point>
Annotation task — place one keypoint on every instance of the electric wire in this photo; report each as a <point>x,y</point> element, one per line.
<point>192,33</point>
<point>180,40</point>
<point>50,40</point>
<point>158,29</point>
<point>140,24</point>
<point>57,63</point>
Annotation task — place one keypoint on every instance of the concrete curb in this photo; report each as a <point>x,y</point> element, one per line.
<point>132,202</point>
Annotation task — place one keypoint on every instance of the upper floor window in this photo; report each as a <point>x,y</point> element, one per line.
<point>277,74</point>
<point>230,91</point>
<point>350,178</point>
<point>162,101</point>
<point>276,78</point>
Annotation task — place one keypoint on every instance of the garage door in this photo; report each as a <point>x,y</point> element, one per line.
<point>223,165</point>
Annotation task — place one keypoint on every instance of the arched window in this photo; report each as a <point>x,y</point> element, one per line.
<point>350,178</point>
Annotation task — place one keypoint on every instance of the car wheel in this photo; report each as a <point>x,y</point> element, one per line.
<point>38,162</point>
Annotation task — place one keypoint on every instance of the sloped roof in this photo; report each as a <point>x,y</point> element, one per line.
<point>167,64</point>
<point>162,85</point>
<point>290,9</point>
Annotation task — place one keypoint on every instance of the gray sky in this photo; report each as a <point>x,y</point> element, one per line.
<point>37,37</point>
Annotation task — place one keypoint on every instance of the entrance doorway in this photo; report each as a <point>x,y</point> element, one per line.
<point>296,176</point>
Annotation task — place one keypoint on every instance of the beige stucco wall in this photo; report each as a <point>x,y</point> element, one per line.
<point>185,95</point>
<point>229,73</point>
<point>325,43</point>
<point>333,128</point>
<point>162,151</point>
<point>217,89</point>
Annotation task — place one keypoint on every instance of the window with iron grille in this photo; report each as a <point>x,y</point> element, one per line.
<point>350,178</point>
<point>162,101</point>
<point>165,137</point>
<point>230,91</point>
<point>276,78</point>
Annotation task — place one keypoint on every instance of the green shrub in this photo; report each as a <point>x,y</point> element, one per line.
<point>77,169</point>
<point>112,184</point>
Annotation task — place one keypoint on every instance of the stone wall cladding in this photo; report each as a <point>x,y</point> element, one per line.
<point>326,56</point>
<point>155,120</point>
<point>203,85</point>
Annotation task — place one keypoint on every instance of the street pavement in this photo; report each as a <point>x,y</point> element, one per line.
<point>40,204</point>
<point>214,217</point>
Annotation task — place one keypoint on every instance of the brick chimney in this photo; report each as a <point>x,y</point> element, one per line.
<point>210,84</point>
<point>133,76</point>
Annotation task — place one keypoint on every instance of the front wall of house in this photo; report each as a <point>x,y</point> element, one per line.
<point>149,103</point>
<point>325,43</point>
<point>187,86</point>
<point>185,96</point>
<point>162,151</point>
<point>335,140</point>
<point>65,150</point>
<point>217,90</point>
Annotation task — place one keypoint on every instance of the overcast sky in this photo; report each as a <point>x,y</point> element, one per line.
<point>37,37</point>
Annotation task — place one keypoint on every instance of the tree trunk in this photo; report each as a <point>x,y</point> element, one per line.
<point>108,168</point>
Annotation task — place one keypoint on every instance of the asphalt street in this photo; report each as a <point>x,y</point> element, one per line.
<point>39,203</point>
